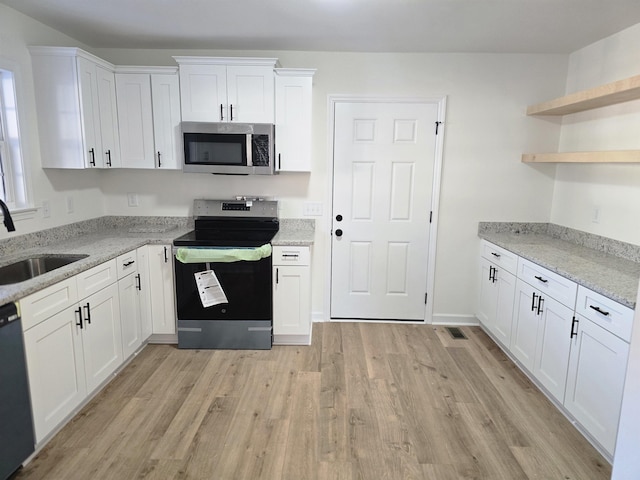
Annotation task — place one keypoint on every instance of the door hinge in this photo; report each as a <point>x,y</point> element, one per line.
<point>437,126</point>
<point>425,298</point>
<point>430,216</point>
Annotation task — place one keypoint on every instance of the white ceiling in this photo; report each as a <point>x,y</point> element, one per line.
<point>502,26</point>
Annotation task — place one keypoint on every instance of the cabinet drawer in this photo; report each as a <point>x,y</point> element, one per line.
<point>499,256</point>
<point>126,264</point>
<point>603,311</point>
<point>297,255</point>
<point>96,278</point>
<point>554,285</point>
<point>47,302</point>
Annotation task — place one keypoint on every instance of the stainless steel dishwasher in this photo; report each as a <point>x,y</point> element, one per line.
<point>16,423</point>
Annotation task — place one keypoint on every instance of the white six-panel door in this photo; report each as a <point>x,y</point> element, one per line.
<point>384,155</point>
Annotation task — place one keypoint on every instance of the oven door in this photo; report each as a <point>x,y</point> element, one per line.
<point>245,322</point>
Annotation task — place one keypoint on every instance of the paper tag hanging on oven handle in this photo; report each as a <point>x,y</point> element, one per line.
<point>209,288</point>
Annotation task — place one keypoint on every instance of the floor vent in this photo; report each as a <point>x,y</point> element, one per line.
<point>455,332</point>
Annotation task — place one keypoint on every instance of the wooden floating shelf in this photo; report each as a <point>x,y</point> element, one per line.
<point>602,96</point>
<point>614,156</point>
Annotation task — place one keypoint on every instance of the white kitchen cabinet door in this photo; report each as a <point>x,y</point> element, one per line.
<point>291,302</point>
<point>108,118</point>
<point>135,120</point>
<point>203,93</point>
<point>495,300</point>
<point>146,326</point>
<point>595,382</point>
<point>130,314</point>
<point>102,335</point>
<point>553,346</point>
<point>524,331</point>
<point>250,94</point>
<point>90,107</point>
<point>56,369</point>
<point>163,310</point>
<point>165,96</point>
<point>293,119</point>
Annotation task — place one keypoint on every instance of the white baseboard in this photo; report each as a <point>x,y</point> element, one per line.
<point>318,317</point>
<point>451,319</point>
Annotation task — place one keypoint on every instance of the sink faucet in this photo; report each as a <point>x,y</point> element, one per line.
<point>8,221</point>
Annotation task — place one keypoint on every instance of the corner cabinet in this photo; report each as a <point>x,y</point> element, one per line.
<point>604,95</point>
<point>293,87</point>
<point>76,103</point>
<point>227,89</point>
<point>149,117</point>
<point>291,295</point>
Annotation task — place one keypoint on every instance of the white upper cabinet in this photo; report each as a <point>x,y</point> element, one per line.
<point>77,114</point>
<point>149,117</point>
<point>293,119</point>
<point>230,89</point>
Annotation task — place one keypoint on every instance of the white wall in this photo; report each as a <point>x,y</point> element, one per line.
<point>483,179</point>
<point>16,33</point>
<point>612,189</point>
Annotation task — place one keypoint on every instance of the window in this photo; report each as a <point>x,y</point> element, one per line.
<point>12,178</point>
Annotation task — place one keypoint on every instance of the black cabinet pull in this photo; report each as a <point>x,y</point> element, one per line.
<point>139,282</point>
<point>495,254</point>
<point>131,262</point>
<point>279,163</point>
<point>597,309</point>
<point>290,255</point>
<point>277,276</point>
<point>492,273</point>
<point>574,324</point>
<point>88,313</point>
<point>79,322</point>
<point>540,303</point>
<point>108,152</point>
<point>93,157</point>
<point>231,108</point>
<point>533,301</point>
<point>159,162</point>
<point>166,259</point>
<point>543,280</point>
<point>221,112</point>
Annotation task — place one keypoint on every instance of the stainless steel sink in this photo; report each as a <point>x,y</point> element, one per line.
<point>34,266</point>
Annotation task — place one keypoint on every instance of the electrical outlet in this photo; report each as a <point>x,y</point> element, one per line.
<point>132,199</point>
<point>312,209</point>
<point>46,209</point>
<point>70,206</point>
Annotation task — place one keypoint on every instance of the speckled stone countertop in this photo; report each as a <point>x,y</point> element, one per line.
<point>105,238</point>
<point>606,266</point>
<point>294,231</point>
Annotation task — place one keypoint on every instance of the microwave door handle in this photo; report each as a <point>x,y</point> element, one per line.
<point>249,151</point>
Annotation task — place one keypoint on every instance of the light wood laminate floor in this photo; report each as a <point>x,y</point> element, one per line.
<point>365,401</point>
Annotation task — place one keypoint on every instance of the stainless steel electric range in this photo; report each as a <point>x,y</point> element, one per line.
<point>223,275</point>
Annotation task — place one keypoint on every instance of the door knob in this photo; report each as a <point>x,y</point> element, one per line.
<point>338,233</point>
<point>338,218</point>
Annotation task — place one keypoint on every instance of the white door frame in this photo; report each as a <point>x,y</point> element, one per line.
<point>441,101</point>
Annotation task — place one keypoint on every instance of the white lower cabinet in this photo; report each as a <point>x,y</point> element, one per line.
<point>72,352</point>
<point>291,295</point>
<point>572,341</point>
<point>163,310</point>
<point>146,326</point>
<point>130,302</point>
<point>55,363</point>
<point>494,307</point>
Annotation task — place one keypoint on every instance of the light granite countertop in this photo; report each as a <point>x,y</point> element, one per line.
<point>586,259</point>
<point>106,238</point>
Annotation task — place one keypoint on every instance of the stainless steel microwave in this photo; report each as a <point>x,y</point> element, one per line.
<point>229,148</point>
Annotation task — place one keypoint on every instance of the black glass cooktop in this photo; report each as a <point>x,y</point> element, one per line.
<point>230,232</point>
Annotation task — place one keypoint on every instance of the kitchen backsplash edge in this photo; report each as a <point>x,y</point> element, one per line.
<point>610,246</point>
